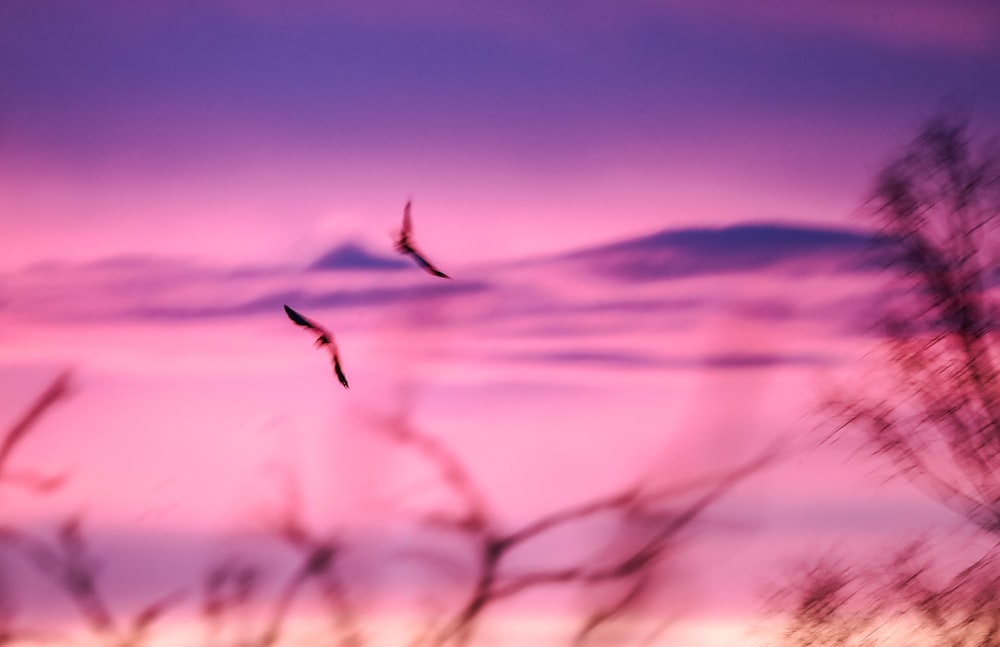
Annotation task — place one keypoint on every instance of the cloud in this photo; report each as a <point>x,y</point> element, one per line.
<point>761,360</point>
<point>634,360</point>
<point>660,284</point>
<point>140,287</point>
<point>272,302</point>
<point>690,252</point>
<point>623,359</point>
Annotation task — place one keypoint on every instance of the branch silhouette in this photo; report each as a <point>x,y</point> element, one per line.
<point>68,563</point>
<point>935,413</point>
<point>59,390</point>
<point>933,408</point>
<point>492,545</point>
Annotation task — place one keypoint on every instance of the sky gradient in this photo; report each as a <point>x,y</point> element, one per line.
<point>651,211</point>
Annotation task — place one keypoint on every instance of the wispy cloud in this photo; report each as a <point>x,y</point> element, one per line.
<point>654,280</point>
<point>634,360</point>
<point>272,302</point>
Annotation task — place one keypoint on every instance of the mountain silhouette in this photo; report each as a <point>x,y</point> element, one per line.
<point>352,256</point>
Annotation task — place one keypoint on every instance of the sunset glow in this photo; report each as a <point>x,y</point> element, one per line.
<point>649,214</point>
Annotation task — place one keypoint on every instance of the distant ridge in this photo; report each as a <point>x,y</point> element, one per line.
<point>351,256</point>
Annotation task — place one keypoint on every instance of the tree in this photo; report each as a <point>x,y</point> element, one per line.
<point>647,522</point>
<point>651,522</point>
<point>933,409</point>
<point>905,600</point>
<point>937,414</point>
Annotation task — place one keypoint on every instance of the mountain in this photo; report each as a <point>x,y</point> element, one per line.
<point>351,256</point>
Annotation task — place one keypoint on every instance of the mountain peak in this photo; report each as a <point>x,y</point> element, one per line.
<point>352,256</point>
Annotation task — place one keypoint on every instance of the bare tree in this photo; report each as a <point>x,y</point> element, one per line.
<point>933,409</point>
<point>651,521</point>
<point>13,438</point>
<point>937,416</point>
<point>904,600</point>
<point>238,612</point>
<point>492,544</point>
<point>18,432</point>
<point>68,563</point>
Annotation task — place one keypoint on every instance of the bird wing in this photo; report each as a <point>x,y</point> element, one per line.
<point>325,338</point>
<point>339,371</point>
<point>299,319</point>
<point>407,224</point>
<point>426,264</point>
<point>307,323</point>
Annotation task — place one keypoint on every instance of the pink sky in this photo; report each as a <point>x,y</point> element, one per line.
<point>171,174</point>
<point>555,382</point>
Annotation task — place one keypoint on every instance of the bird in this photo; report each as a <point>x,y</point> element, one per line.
<point>404,245</point>
<point>325,338</point>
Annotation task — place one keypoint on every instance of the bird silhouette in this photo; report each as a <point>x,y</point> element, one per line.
<point>325,338</point>
<point>404,245</point>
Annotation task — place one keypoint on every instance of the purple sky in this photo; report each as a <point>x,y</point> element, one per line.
<point>141,128</point>
<point>649,208</point>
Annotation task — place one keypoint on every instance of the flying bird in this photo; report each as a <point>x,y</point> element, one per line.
<point>404,245</point>
<point>325,338</point>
